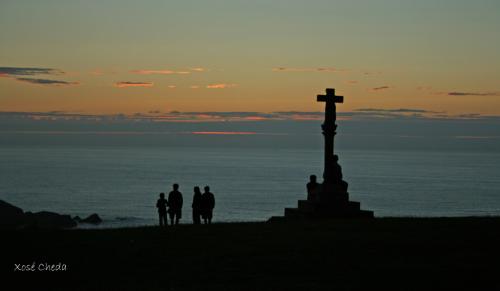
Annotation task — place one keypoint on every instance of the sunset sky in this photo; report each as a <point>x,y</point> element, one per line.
<point>110,56</point>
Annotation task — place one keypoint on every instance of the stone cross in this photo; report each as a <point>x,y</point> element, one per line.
<point>329,131</point>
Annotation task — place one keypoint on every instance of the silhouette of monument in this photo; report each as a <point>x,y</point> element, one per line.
<point>331,199</point>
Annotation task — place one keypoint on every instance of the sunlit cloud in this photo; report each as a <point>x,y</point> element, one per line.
<point>186,71</point>
<point>300,115</point>
<point>331,70</point>
<point>221,86</point>
<point>153,72</point>
<point>172,86</point>
<point>133,84</point>
<point>47,82</point>
<point>226,116</point>
<point>168,71</point>
<point>351,82</point>
<point>255,118</point>
<point>194,87</point>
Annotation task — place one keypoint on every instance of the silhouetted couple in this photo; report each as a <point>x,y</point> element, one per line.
<point>174,204</point>
<point>203,205</point>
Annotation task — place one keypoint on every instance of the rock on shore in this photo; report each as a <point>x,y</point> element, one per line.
<point>92,219</point>
<point>13,217</point>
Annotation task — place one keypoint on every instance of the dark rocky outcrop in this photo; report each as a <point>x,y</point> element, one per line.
<point>92,219</point>
<point>12,217</point>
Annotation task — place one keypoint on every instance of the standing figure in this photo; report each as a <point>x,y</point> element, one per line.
<point>197,206</point>
<point>161,204</point>
<point>175,204</point>
<point>208,204</point>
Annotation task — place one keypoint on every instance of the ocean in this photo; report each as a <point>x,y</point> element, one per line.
<point>122,184</point>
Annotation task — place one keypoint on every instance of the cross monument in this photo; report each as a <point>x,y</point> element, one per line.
<point>329,131</point>
<point>329,199</point>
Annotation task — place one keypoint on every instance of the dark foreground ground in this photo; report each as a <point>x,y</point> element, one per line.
<point>380,254</point>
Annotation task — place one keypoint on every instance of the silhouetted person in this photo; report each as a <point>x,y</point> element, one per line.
<point>208,204</point>
<point>197,206</point>
<point>313,189</point>
<point>161,204</point>
<point>175,204</point>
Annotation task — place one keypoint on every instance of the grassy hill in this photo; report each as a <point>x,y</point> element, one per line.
<point>378,254</point>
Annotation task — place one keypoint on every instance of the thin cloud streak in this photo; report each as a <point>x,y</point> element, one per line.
<point>320,69</point>
<point>209,117</point>
<point>400,110</point>
<point>221,86</point>
<point>47,82</point>
<point>381,88</point>
<point>154,72</point>
<point>473,93</point>
<point>224,132</point>
<point>133,84</point>
<point>19,74</point>
<point>169,72</point>
<point>19,71</point>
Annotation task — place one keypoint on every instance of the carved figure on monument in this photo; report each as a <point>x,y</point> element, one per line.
<point>313,189</point>
<point>337,169</point>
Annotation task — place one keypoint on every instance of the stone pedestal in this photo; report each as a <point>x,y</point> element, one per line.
<point>332,203</point>
<point>308,209</point>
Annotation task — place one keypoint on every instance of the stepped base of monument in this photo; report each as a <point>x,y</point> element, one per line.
<point>311,210</point>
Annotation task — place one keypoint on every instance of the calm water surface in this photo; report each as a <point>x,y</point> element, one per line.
<point>122,184</point>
